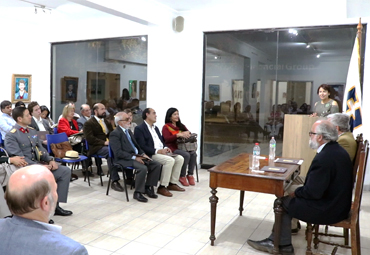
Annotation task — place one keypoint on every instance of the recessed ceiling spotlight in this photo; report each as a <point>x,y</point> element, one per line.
<point>293,31</point>
<point>308,46</point>
<point>318,55</point>
<point>143,38</point>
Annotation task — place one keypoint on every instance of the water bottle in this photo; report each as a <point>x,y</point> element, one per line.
<point>272,148</point>
<point>256,154</point>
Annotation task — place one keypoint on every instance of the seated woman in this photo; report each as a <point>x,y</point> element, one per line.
<point>172,130</point>
<point>45,115</point>
<point>69,125</point>
<point>326,106</point>
<point>275,121</point>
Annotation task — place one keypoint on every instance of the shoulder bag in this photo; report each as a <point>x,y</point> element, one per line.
<point>59,149</point>
<point>188,144</point>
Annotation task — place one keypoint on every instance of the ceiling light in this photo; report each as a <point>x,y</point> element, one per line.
<point>293,31</point>
<point>308,46</point>
<point>318,55</point>
<point>143,38</point>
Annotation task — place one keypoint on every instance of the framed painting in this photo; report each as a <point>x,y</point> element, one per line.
<point>214,92</point>
<point>142,88</point>
<point>69,89</point>
<point>337,93</point>
<point>132,88</point>
<point>21,87</point>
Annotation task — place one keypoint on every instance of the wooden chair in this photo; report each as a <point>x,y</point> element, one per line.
<point>352,223</point>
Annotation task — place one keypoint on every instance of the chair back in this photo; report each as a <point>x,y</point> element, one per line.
<point>55,130</point>
<point>359,182</point>
<point>356,161</point>
<point>56,138</point>
<point>1,140</point>
<point>111,155</point>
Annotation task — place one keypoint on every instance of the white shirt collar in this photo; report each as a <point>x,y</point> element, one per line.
<point>150,127</point>
<point>321,147</point>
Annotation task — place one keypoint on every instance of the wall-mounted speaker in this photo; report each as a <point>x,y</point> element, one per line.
<point>178,24</point>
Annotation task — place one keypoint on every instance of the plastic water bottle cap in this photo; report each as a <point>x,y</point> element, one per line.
<point>256,143</point>
<point>272,138</point>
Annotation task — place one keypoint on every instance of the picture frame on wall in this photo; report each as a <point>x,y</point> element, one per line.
<point>21,87</point>
<point>132,88</point>
<point>214,92</point>
<point>142,88</point>
<point>69,89</point>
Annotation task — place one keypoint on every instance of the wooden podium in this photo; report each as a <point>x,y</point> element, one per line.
<point>296,139</point>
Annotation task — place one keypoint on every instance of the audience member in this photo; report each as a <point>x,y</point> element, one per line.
<point>96,131</point>
<point>325,197</point>
<point>275,121</point>
<point>38,123</point>
<point>85,115</point>
<point>6,120</point>
<point>151,141</point>
<point>326,106</point>
<point>22,141</point>
<point>133,125</point>
<point>128,153</point>
<point>75,115</point>
<point>124,100</point>
<point>32,198</point>
<point>45,115</point>
<point>172,130</point>
<point>345,139</point>
<point>19,103</point>
<point>252,125</point>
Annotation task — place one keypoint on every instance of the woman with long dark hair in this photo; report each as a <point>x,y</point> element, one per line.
<point>326,105</point>
<point>172,130</point>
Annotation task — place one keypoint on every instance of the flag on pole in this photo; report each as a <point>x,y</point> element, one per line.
<point>352,99</point>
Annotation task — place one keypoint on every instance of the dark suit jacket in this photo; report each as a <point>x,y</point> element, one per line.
<point>29,235</point>
<point>145,139</point>
<point>81,121</point>
<point>94,134</point>
<point>44,122</point>
<point>326,195</point>
<point>122,147</point>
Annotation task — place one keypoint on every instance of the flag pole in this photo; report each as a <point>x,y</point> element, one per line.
<point>359,37</point>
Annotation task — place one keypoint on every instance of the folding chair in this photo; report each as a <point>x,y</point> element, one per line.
<point>97,163</point>
<point>59,138</point>
<point>122,168</point>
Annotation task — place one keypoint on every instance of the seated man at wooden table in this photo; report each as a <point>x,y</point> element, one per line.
<point>325,197</point>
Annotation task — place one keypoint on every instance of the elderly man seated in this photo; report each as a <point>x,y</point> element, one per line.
<point>32,197</point>
<point>325,197</point>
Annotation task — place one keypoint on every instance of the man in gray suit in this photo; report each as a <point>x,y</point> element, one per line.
<point>38,123</point>
<point>31,197</point>
<point>23,141</point>
<point>85,116</point>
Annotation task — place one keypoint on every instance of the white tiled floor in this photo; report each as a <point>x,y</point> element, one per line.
<point>178,225</point>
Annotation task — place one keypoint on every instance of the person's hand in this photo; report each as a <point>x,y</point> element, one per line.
<point>106,143</point>
<point>81,131</point>
<point>53,165</point>
<point>313,114</point>
<point>139,159</point>
<point>45,142</point>
<point>186,134</point>
<point>162,151</point>
<point>146,157</point>
<point>18,161</point>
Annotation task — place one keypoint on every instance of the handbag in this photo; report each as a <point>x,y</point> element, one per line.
<point>6,170</point>
<point>59,149</point>
<point>188,144</point>
<point>76,138</point>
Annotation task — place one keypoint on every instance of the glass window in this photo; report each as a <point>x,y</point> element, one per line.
<point>253,78</point>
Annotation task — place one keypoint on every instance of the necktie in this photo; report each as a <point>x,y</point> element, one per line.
<point>130,140</point>
<point>103,127</point>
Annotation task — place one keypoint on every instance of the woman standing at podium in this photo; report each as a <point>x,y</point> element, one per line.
<point>326,106</point>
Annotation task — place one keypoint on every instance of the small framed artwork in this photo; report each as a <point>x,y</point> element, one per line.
<point>142,87</point>
<point>214,92</point>
<point>21,87</point>
<point>132,88</point>
<point>69,89</point>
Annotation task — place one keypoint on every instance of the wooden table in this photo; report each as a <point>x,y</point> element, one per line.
<point>235,174</point>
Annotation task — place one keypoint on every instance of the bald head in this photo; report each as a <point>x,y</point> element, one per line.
<point>99,110</point>
<point>85,110</point>
<point>28,187</point>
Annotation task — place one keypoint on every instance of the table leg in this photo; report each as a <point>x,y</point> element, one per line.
<point>213,200</point>
<point>278,210</point>
<point>241,202</point>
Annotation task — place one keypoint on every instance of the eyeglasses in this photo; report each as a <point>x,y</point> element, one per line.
<point>125,119</point>
<point>312,133</point>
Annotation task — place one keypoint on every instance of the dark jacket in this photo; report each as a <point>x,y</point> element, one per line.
<point>44,122</point>
<point>94,134</point>
<point>145,140</point>
<point>326,195</point>
<point>122,147</point>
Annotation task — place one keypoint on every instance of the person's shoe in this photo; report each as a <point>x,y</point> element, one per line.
<point>51,221</point>
<point>150,192</point>
<point>191,180</point>
<point>267,245</point>
<point>117,186</point>
<point>183,181</point>
<point>295,230</point>
<point>175,187</point>
<point>61,212</point>
<point>73,177</point>
<point>100,173</point>
<point>139,197</point>
<point>164,192</point>
<point>88,172</point>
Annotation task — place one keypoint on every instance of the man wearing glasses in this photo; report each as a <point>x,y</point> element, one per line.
<point>325,197</point>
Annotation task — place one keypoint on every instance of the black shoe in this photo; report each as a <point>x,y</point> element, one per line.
<point>51,221</point>
<point>89,173</point>
<point>73,177</point>
<point>100,173</point>
<point>61,212</point>
<point>150,192</point>
<point>139,197</point>
<point>117,186</point>
<point>295,230</point>
<point>267,245</point>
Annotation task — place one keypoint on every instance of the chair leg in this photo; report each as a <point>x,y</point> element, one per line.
<point>309,239</point>
<point>108,186</point>
<point>316,240</point>
<point>358,237</point>
<point>355,240</point>
<point>124,184</point>
<point>196,170</point>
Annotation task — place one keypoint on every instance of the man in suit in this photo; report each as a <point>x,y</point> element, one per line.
<point>151,141</point>
<point>85,115</point>
<point>6,120</point>
<point>325,197</point>
<point>23,141</point>
<point>97,130</point>
<point>128,153</point>
<point>38,123</point>
<point>345,139</point>
<point>31,196</point>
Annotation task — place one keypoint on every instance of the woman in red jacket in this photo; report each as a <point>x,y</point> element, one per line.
<point>68,125</point>
<point>172,130</point>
